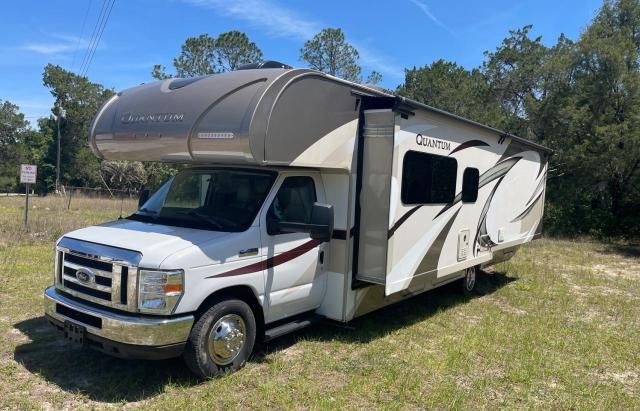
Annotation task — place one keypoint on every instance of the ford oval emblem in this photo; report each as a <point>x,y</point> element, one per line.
<point>84,275</point>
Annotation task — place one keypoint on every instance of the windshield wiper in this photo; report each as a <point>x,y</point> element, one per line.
<point>146,210</point>
<point>205,217</point>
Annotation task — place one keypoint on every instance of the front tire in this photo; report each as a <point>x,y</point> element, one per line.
<point>222,339</point>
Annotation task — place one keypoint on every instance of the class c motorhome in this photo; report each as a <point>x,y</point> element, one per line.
<point>306,197</point>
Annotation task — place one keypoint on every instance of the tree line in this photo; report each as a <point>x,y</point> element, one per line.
<point>579,97</point>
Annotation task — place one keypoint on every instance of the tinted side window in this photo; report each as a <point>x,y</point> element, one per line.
<point>428,179</point>
<point>294,201</point>
<point>470,180</point>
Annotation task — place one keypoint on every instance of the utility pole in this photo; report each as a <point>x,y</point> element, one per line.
<point>61,114</point>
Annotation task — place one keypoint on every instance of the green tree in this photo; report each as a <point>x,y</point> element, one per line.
<point>123,175</point>
<point>13,131</point>
<point>374,78</point>
<point>81,99</point>
<point>329,52</point>
<point>513,72</point>
<point>602,143</point>
<point>448,86</point>
<point>204,55</point>
<point>157,173</point>
<point>233,49</point>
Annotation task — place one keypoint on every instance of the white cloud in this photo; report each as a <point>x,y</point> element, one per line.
<point>279,21</point>
<point>57,44</point>
<point>47,48</point>
<point>380,63</point>
<point>427,11</point>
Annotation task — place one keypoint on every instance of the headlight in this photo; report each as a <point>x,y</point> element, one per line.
<point>159,291</point>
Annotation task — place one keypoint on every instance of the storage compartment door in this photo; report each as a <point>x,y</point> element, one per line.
<point>375,190</point>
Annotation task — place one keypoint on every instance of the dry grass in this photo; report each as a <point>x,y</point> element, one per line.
<point>556,327</point>
<point>52,216</point>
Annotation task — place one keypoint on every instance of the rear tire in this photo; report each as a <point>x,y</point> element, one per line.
<point>469,281</point>
<point>221,340</point>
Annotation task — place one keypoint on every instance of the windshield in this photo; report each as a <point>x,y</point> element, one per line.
<point>212,199</point>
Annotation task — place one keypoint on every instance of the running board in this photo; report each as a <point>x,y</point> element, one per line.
<point>291,325</point>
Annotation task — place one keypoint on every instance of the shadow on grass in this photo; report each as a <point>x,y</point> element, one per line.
<point>106,379</point>
<point>98,376</point>
<point>628,251</point>
<point>388,319</point>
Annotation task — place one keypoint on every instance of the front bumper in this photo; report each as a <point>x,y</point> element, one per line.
<point>124,335</point>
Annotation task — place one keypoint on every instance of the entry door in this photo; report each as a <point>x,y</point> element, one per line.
<point>295,277</point>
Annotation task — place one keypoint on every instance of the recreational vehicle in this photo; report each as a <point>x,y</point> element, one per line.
<point>306,197</point>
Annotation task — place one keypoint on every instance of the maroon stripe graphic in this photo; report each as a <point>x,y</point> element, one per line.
<point>271,261</point>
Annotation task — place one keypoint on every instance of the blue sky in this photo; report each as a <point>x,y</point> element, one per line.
<point>390,35</point>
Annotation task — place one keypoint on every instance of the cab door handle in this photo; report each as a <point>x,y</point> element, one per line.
<point>247,252</point>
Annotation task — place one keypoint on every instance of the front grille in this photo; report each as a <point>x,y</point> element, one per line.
<point>88,262</point>
<point>92,278</point>
<point>103,295</point>
<point>124,283</point>
<point>100,280</point>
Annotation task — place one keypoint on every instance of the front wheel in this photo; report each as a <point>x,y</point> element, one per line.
<point>469,281</point>
<point>222,339</point>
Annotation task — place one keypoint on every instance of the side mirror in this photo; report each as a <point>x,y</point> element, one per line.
<point>321,222</point>
<point>143,197</point>
<point>320,225</point>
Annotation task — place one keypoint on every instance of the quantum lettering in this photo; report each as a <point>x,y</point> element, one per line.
<point>432,142</point>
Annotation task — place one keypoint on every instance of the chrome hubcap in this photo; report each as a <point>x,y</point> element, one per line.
<point>471,278</point>
<point>226,339</point>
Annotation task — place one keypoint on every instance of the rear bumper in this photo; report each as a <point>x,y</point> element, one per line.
<point>130,336</point>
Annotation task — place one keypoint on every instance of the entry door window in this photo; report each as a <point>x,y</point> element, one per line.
<point>293,203</point>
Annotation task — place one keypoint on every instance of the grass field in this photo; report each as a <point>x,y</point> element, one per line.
<point>556,327</point>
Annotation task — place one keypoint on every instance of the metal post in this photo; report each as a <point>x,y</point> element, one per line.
<point>26,205</point>
<point>58,159</point>
<point>61,115</point>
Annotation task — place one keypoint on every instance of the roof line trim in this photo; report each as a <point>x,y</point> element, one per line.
<point>416,104</point>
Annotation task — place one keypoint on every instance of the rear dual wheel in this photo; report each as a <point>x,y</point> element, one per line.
<point>469,281</point>
<point>222,339</point>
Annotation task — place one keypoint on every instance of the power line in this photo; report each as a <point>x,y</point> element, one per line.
<point>93,35</point>
<point>104,25</point>
<point>84,22</point>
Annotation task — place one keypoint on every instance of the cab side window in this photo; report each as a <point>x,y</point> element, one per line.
<point>293,203</point>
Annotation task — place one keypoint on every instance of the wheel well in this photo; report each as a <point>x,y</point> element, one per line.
<point>240,292</point>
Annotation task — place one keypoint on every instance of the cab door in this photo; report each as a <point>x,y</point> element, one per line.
<point>295,278</point>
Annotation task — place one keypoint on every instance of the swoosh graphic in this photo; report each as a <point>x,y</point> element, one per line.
<point>468,144</point>
<point>522,215</point>
<point>429,262</point>
<point>497,171</point>
<point>402,220</point>
<point>271,261</point>
<point>482,227</point>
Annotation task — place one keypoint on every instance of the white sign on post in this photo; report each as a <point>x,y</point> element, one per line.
<point>28,173</point>
<point>27,176</point>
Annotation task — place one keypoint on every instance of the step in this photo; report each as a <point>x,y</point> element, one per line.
<point>291,325</point>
